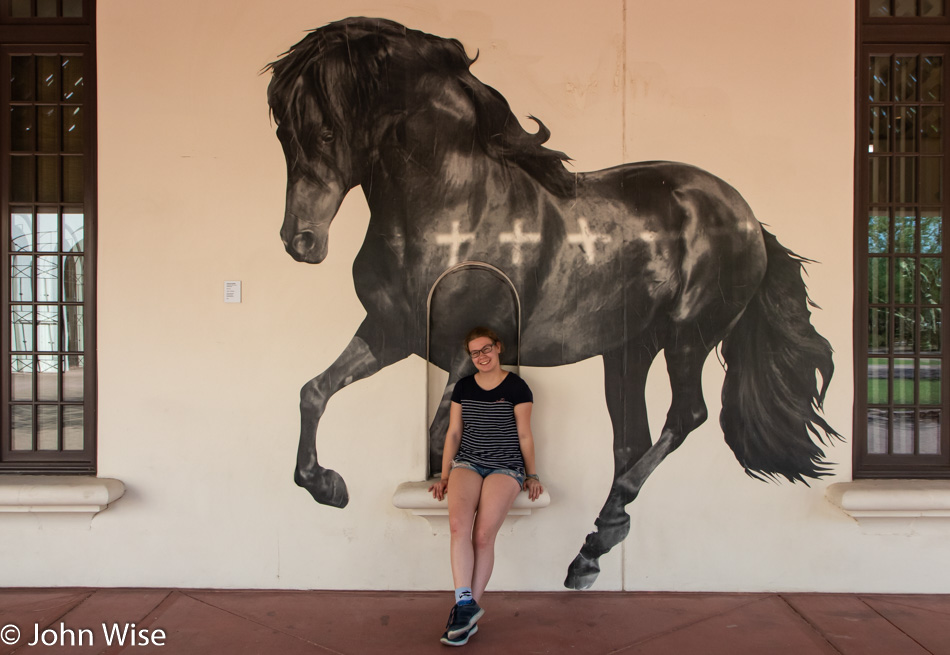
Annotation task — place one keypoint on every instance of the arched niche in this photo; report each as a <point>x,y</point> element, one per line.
<point>466,295</point>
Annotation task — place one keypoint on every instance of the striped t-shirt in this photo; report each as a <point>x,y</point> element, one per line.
<point>489,431</point>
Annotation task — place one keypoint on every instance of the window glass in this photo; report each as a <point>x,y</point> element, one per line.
<point>21,419</point>
<point>878,434</point>
<point>47,235</point>
<point>931,329</point>
<point>931,78</point>
<point>878,225</point>
<point>880,78</point>
<point>48,377</point>
<point>880,130</point>
<point>22,184</point>
<point>22,129</point>
<point>46,8</point>
<point>48,419</point>
<point>931,279</point>
<point>905,78</point>
<point>931,180</point>
<point>905,7</point>
<point>47,78</point>
<point>48,128</point>
<point>47,279</point>
<point>73,382</point>
<point>73,8</point>
<point>73,83</point>
<point>72,427</point>
<point>878,337</point>
<point>21,319</point>
<point>22,78</point>
<point>21,9</point>
<point>21,230</point>
<point>930,432</point>
<point>931,232</point>
<point>72,129</point>
<point>905,229</point>
<point>903,433</point>
<point>932,8</point>
<point>73,227</point>
<point>21,279</point>
<point>877,280</point>
<point>905,172</point>
<point>931,130</point>
<point>930,381</point>
<point>880,180</point>
<point>48,178</point>
<point>21,375</point>
<point>73,190</point>
<point>905,129</point>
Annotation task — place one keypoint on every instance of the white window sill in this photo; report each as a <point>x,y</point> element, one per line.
<point>72,494</point>
<point>416,498</point>
<point>893,506</point>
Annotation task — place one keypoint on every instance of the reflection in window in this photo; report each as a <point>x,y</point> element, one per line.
<point>904,378</point>
<point>47,377</point>
<point>21,419</point>
<point>931,232</point>
<point>21,369</point>
<point>905,230</point>
<point>930,382</point>
<point>930,432</point>
<point>878,431</point>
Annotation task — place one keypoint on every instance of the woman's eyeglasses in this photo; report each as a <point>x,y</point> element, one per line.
<point>482,351</point>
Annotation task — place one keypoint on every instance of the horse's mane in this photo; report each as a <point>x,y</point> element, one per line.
<point>354,63</point>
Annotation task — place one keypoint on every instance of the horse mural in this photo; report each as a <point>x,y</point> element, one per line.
<point>622,262</point>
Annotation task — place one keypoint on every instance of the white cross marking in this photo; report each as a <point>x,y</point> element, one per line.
<point>587,239</point>
<point>454,240</point>
<point>516,238</point>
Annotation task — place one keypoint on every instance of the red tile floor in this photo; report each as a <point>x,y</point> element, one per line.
<point>364,623</point>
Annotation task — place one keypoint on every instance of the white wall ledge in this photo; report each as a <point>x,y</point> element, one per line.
<point>416,498</point>
<point>72,494</point>
<point>893,503</point>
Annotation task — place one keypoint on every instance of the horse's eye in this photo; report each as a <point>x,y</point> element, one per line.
<point>326,136</point>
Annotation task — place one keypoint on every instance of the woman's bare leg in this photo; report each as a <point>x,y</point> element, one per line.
<point>498,493</point>
<point>465,487</point>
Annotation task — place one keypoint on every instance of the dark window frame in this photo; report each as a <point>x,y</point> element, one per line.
<point>895,36</point>
<point>38,36</point>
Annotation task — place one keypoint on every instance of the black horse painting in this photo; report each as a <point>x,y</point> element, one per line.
<point>622,263</point>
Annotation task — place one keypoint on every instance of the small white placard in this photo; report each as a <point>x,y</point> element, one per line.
<point>232,291</point>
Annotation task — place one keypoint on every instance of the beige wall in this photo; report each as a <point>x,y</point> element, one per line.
<point>198,399</point>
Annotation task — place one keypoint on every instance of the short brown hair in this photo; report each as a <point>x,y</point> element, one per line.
<point>481,331</point>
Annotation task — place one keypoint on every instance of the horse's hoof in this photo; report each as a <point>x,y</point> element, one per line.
<point>325,485</point>
<point>582,573</point>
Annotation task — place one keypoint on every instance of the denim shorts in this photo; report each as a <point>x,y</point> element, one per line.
<point>485,471</point>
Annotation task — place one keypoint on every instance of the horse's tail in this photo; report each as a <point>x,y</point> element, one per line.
<point>770,398</point>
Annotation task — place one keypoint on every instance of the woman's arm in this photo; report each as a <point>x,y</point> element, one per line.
<point>526,440</point>
<point>453,437</point>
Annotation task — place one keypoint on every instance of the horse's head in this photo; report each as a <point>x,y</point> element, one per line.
<point>320,98</point>
<point>361,90</point>
<point>319,175</point>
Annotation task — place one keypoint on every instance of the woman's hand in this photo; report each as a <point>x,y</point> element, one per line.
<point>440,488</point>
<point>533,487</point>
